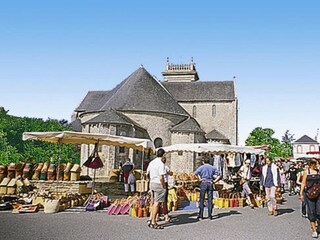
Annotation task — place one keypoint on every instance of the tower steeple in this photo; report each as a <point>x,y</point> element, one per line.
<point>180,72</point>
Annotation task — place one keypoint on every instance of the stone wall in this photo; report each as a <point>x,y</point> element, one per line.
<point>224,120</point>
<point>82,187</point>
<point>157,125</point>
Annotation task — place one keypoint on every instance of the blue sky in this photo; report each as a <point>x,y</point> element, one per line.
<point>53,52</point>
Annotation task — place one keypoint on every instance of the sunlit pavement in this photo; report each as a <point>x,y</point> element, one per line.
<point>233,223</point>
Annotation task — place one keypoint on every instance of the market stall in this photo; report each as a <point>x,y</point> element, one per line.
<point>228,159</point>
<point>43,170</point>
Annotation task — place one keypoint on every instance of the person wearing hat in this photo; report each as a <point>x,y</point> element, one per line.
<point>245,174</point>
<point>270,180</point>
<point>293,172</point>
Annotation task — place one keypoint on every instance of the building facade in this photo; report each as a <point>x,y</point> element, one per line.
<point>180,109</point>
<point>304,145</point>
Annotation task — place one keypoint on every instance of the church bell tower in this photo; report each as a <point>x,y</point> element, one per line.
<point>180,72</point>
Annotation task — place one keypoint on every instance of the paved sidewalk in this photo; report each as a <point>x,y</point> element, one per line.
<point>237,223</point>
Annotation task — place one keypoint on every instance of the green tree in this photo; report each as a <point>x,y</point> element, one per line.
<point>14,149</point>
<point>264,136</point>
<point>7,153</point>
<point>287,138</point>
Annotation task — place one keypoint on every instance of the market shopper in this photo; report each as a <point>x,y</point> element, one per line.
<point>128,176</point>
<point>270,180</point>
<point>209,175</point>
<point>283,176</point>
<point>299,183</point>
<point>166,180</point>
<point>156,171</point>
<point>245,174</point>
<point>309,192</point>
<point>293,171</point>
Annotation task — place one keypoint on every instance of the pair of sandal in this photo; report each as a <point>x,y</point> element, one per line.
<point>155,226</point>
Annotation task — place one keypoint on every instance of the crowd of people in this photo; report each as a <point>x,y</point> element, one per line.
<point>297,178</point>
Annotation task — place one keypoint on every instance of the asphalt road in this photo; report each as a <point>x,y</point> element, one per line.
<point>236,223</point>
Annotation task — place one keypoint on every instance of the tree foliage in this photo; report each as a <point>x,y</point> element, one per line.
<point>14,149</point>
<point>263,136</point>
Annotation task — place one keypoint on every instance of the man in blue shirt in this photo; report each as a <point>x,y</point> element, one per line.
<point>207,173</point>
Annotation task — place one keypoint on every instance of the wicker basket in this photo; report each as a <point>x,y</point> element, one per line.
<point>142,185</point>
<point>3,186</point>
<point>51,206</point>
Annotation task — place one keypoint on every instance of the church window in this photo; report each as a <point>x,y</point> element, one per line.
<point>194,111</point>
<point>158,142</point>
<point>214,110</point>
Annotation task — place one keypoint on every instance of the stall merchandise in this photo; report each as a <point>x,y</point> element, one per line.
<point>135,206</point>
<point>41,171</point>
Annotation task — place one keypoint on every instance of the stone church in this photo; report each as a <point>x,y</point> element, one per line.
<point>179,109</point>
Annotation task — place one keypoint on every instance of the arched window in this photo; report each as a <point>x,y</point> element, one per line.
<point>312,148</point>
<point>214,110</point>
<point>158,142</point>
<point>299,149</point>
<point>194,111</point>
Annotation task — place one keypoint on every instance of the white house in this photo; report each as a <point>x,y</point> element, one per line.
<point>304,145</point>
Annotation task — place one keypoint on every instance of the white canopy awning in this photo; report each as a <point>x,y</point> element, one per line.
<point>212,148</point>
<point>70,137</point>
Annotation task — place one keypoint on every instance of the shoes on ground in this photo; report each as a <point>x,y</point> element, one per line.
<point>199,218</point>
<point>315,235</point>
<point>275,213</point>
<point>270,213</point>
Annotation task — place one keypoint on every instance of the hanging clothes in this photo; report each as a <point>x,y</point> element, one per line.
<point>253,160</point>
<point>231,160</point>
<point>238,161</point>
<point>225,172</point>
<point>217,162</point>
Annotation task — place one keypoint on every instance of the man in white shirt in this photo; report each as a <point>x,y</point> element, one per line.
<point>156,171</point>
<point>245,174</point>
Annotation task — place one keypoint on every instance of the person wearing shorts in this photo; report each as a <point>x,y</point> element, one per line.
<point>156,171</point>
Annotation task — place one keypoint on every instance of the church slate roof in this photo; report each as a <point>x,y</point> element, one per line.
<point>188,125</point>
<point>94,100</point>
<point>201,91</point>
<point>141,92</point>
<point>112,116</point>
<point>305,139</point>
<point>216,135</point>
<point>76,125</point>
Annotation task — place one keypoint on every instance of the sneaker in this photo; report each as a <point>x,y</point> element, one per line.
<point>270,213</point>
<point>304,216</point>
<point>275,213</point>
<point>315,235</point>
<point>199,218</point>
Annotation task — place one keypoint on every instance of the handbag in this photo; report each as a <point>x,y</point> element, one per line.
<point>225,200</point>
<point>131,179</point>
<point>314,191</point>
<point>242,181</point>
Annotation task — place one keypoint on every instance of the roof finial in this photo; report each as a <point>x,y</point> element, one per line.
<point>141,65</point>
<point>191,59</point>
<point>167,59</point>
